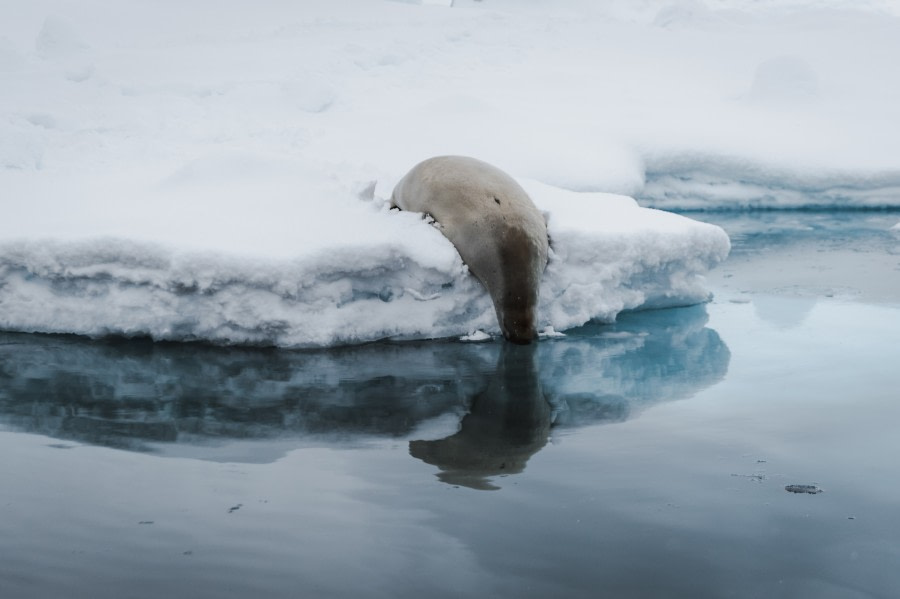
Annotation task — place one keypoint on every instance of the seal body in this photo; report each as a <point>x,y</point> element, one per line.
<point>496,228</point>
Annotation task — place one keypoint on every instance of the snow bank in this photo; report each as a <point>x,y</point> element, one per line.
<point>704,103</point>
<point>329,268</point>
<point>604,242</point>
<point>191,170</point>
<point>713,182</point>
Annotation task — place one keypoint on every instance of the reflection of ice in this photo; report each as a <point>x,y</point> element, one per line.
<point>596,374</point>
<point>783,312</point>
<point>159,397</point>
<point>799,256</point>
<point>127,393</point>
<point>669,354</point>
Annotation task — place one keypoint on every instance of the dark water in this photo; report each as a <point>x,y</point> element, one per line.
<point>649,458</point>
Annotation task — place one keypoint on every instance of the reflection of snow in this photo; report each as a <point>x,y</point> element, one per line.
<point>783,312</point>
<point>650,357</point>
<point>833,254</point>
<point>139,395</point>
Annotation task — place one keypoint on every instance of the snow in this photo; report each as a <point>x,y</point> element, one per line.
<point>475,336</point>
<point>194,170</point>
<point>354,273</point>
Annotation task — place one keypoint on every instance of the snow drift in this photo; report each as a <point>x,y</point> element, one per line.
<point>190,171</point>
<point>354,272</point>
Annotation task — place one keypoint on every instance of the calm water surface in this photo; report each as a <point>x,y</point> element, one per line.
<point>648,458</point>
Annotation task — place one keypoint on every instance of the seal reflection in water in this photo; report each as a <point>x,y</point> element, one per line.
<point>509,421</point>
<point>496,228</point>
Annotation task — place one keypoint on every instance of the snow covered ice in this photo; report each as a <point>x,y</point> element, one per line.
<point>196,171</point>
<point>370,273</point>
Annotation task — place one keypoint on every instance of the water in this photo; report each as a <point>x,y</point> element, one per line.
<point>643,459</point>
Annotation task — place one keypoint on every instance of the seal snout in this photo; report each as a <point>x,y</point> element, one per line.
<point>518,328</point>
<point>525,340</point>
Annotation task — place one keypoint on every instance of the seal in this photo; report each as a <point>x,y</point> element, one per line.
<point>496,228</point>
